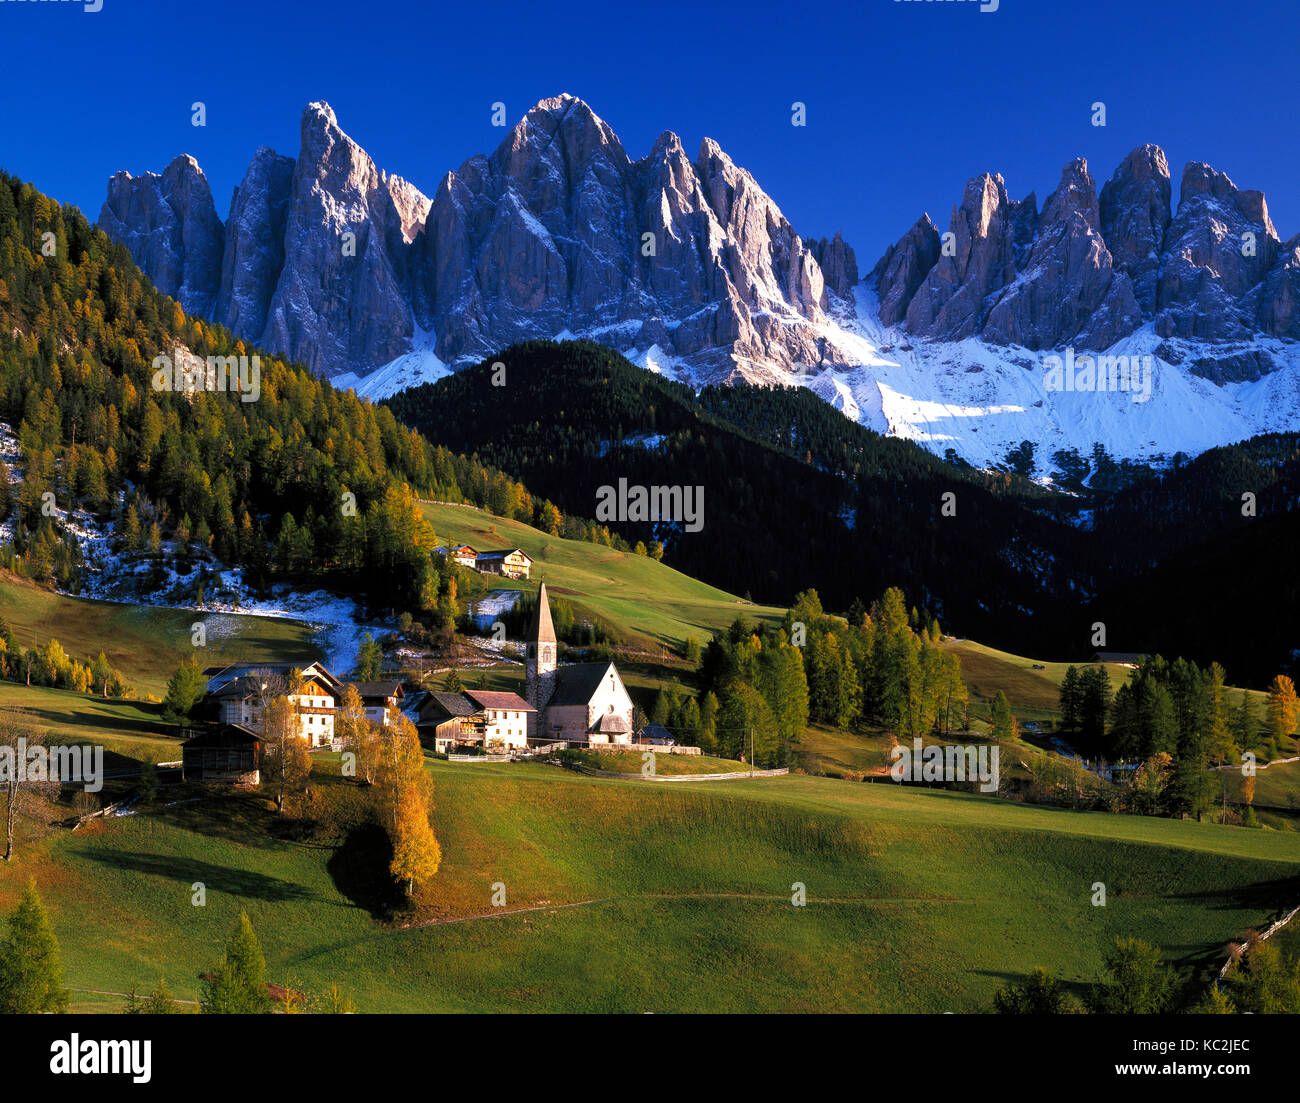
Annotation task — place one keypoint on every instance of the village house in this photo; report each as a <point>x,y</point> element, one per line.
<point>382,700</point>
<point>463,554</point>
<point>242,700</point>
<point>511,562</point>
<point>488,719</point>
<point>579,703</point>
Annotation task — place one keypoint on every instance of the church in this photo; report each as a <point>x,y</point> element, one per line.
<point>578,703</point>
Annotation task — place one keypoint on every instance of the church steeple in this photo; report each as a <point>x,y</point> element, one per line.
<point>540,648</point>
<point>541,630</point>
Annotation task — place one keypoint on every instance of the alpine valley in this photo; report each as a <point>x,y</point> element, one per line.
<point>689,269</point>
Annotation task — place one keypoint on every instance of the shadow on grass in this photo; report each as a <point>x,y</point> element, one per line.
<point>244,818</point>
<point>359,869</point>
<point>114,717</point>
<point>237,882</point>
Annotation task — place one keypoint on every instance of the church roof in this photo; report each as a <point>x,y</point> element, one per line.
<point>577,684</point>
<point>541,630</point>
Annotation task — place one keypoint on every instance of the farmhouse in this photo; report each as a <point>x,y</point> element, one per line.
<point>241,701</point>
<point>580,703</point>
<point>491,720</point>
<point>382,700</point>
<point>463,554</point>
<point>511,562</point>
<point>222,753</point>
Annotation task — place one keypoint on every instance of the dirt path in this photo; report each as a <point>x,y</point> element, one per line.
<point>502,913</point>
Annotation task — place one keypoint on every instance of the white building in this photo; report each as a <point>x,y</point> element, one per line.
<point>580,703</point>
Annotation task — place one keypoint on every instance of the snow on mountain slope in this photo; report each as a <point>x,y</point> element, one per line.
<point>419,365</point>
<point>981,400</point>
<point>977,399</point>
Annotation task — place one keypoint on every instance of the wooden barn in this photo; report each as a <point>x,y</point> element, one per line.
<point>223,754</point>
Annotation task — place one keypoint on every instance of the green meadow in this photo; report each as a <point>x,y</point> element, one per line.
<point>629,897</point>
<point>145,642</point>
<point>651,604</point>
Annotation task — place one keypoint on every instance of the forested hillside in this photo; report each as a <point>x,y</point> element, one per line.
<point>306,481</point>
<point>795,495</point>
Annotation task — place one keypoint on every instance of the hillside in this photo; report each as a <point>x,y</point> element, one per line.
<point>146,642</point>
<point>661,898</point>
<point>647,602</point>
<point>794,495</point>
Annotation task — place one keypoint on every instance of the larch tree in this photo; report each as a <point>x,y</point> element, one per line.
<point>361,736</point>
<point>1283,709</point>
<point>287,760</point>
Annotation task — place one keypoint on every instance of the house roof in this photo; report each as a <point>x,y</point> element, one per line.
<point>244,686</point>
<point>612,723</point>
<point>220,736</point>
<point>541,629</point>
<point>221,676</point>
<point>501,553</point>
<point>491,700</point>
<point>389,688</point>
<point>449,704</point>
<point>577,684</point>
<point>656,733</point>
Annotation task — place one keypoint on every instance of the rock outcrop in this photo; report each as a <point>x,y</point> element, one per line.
<point>1219,246</point>
<point>170,225</point>
<point>334,262</point>
<point>254,252</point>
<point>1067,292</point>
<point>990,233</point>
<point>1134,218</point>
<point>899,273</point>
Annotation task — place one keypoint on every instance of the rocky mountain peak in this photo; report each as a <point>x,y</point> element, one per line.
<point>1134,217</point>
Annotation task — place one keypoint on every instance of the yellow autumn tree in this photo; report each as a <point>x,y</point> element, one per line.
<point>1283,708</point>
<point>404,793</point>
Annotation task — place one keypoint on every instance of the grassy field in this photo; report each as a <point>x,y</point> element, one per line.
<point>658,898</point>
<point>1033,686</point>
<point>145,642</point>
<point>651,604</point>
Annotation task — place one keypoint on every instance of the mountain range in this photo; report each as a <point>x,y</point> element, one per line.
<point>687,267</point>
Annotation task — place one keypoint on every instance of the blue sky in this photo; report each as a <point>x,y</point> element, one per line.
<point>905,100</point>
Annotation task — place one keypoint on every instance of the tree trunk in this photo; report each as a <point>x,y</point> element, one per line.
<point>11,791</point>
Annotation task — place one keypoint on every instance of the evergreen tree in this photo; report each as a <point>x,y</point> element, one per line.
<point>31,969</point>
<point>237,983</point>
<point>185,689</point>
<point>1071,700</point>
<point>370,659</point>
<point>1004,724</point>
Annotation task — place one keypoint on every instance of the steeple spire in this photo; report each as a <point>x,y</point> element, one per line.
<point>541,630</point>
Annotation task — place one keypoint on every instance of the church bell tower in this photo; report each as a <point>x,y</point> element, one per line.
<point>539,664</point>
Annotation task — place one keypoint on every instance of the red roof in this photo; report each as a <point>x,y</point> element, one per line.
<point>506,701</point>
